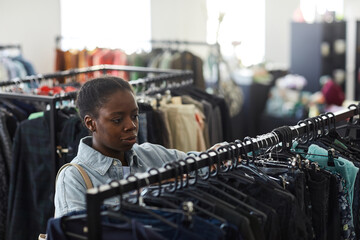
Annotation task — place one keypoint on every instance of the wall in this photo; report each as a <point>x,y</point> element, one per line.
<point>278,15</point>
<point>179,20</point>
<point>33,24</point>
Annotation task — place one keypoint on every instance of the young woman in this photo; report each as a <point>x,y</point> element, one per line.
<point>109,110</point>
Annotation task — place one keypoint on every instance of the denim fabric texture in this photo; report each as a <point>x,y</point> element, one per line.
<point>70,186</point>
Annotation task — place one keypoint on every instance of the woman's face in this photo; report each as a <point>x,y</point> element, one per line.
<point>117,124</point>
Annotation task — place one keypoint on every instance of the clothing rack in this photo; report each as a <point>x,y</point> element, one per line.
<point>103,68</point>
<point>58,40</point>
<point>185,42</point>
<point>51,100</point>
<point>11,46</point>
<point>96,196</point>
<point>197,43</point>
<point>16,46</point>
<point>167,75</point>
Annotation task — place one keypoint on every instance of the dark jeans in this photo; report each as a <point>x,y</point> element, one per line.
<point>291,218</point>
<point>319,184</point>
<point>198,228</point>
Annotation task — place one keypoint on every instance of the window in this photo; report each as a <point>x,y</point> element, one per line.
<point>244,23</point>
<point>123,24</point>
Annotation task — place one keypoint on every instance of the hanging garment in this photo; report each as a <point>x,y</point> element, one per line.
<point>4,181</point>
<point>111,229</point>
<point>30,194</point>
<point>183,125</point>
<point>188,61</point>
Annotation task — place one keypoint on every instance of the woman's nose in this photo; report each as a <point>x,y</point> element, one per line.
<point>130,125</point>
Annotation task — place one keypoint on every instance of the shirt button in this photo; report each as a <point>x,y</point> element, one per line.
<point>115,163</point>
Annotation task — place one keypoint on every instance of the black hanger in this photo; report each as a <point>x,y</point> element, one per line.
<point>307,131</point>
<point>155,199</point>
<point>130,206</point>
<point>209,164</point>
<point>326,124</point>
<point>225,167</point>
<point>159,188</point>
<point>332,119</point>
<point>321,126</point>
<point>253,170</point>
<point>236,154</point>
<point>240,174</point>
<point>168,189</point>
<point>351,124</point>
<point>217,161</point>
<point>228,198</point>
<point>181,196</point>
<point>195,178</point>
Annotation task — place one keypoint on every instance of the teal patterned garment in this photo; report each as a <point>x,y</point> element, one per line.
<point>344,167</point>
<point>345,172</point>
<point>347,225</point>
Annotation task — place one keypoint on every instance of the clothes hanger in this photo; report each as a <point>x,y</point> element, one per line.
<point>211,189</point>
<point>179,198</point>
<point>342,145</point>
<point>218,170</point>
<point>153,197</point>
<point>267,159</point>
<point>196,199</point>
<point>227,208</point>
<point>153,191</point>
<point>351,124</point>
<point>191,192</point>
<point>241,174</point>
<point>139,207</point>
<point>250,168</point>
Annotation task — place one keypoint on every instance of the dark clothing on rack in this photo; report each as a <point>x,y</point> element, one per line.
<point>319,186</point>
<point>30,70</point>
<point>132,230</point>
<point>4,188</point>
<point>188,61</point>
<point>291,219</point>
<point>199,229</point>
<point>8,125</point>
<point>30,196</point>
<point>5,137</point>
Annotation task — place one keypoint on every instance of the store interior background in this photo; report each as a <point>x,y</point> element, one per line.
<point>36,24</point>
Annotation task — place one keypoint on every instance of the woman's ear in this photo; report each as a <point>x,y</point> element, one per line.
<point>90,123</point>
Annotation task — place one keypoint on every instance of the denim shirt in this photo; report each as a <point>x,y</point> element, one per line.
<point>70,190</point>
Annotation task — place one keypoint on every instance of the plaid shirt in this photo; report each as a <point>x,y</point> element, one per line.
<point>32,177</point>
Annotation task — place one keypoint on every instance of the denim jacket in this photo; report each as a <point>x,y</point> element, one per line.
<point>70,190</point>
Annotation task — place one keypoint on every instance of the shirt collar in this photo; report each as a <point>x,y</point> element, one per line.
<point>99,162</point>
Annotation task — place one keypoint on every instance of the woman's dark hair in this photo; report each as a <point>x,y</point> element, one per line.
<point>94,93</point>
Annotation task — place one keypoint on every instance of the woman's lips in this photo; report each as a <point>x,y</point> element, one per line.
<point>131,139</point>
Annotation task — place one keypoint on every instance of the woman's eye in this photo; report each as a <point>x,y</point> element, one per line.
<point>134,117</point>
<point>117,120</point>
